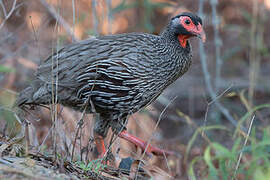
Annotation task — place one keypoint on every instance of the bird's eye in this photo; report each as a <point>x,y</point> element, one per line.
<point>187,21</point>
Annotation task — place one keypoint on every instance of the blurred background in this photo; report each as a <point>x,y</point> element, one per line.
<point>214,101</point>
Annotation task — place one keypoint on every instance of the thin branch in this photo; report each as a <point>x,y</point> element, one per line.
<point>254,59</point>
<point>207,78</point>
<point>4,8</point>
<point>245,143</point>
<point>13,8</point>
<point>218,43</point>
<point>149,140</point>
<point>210,103</point>
<point>220,95</point>
<point>36,37</point>
<point>159,119</point>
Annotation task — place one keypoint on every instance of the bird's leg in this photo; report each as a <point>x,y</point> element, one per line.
<point>100,131</point>
<point>99,140</point>
<point>143,145</point>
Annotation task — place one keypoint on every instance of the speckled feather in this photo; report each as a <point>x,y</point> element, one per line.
<point>120,73</point>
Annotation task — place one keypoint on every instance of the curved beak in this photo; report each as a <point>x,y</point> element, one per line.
<point>199,32</point>
<point>202,36</point>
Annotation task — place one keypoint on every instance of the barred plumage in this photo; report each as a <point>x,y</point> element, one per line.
<point>120,73</point>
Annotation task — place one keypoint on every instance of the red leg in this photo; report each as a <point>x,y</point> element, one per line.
<point>140,143</point>
<point>99,140</point>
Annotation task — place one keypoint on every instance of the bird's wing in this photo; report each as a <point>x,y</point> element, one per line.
<point>111,68</point>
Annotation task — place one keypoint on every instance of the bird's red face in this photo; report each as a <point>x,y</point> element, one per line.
<point>191,29</point>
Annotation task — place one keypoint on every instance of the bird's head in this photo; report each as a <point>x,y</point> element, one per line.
<point>187,25</point>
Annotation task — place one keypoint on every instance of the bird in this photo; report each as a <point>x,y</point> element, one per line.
<point>115,76</point>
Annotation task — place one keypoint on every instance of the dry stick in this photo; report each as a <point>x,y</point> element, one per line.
<point>36,40</point>
<point>35,35</point>
<point>3,7</point>
<point>80,123</point>
<point>56,87</point>
<point>44,140</point>
<point>81,149</point>
<point>13,8</point>
<point>54,96</point>
<point>245,143</point>
<point>206,74</point>
<point>56,90</point>
<point>218,42</point>
<point>167,163</point>
<point>149,140</point>
<point>26,124</point>
<point>210,103</point>
<point>27,140</point>
<point>59,19</point>
<point>89,143</point>
<point>253,52</point>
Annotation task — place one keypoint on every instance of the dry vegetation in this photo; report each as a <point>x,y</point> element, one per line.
<point>216,116</point>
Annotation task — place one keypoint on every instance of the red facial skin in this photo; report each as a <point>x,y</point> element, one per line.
<point>192,28</point>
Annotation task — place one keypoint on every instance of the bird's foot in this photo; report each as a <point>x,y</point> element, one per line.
<point>148,148</point>
<point>99,140</point>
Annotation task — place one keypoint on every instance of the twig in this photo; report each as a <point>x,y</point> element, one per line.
<point>44,140</point>
<point>253,69</point>
<point>221,94</point>
<point>59,19</point>
<point>4,8</point>
<point>54,96</point>
<point>218,43</point>
<point>209,87</point>
<point>9,13</point>
<point>159,119</point>
<point>36,36</point>
<point>80,124</point>
<point>245,143</point>
<point>149,140</point>
<point>209,104</point>
<point>167,163</point>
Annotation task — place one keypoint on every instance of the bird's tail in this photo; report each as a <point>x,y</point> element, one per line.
<point>25,97</point>
<point>35,94</point>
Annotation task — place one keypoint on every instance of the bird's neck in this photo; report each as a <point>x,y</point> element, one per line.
<point>183,40</point>
<point>178,40</point>
<point>176,59</point>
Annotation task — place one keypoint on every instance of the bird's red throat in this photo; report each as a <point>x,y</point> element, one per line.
<point>183,40</point>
